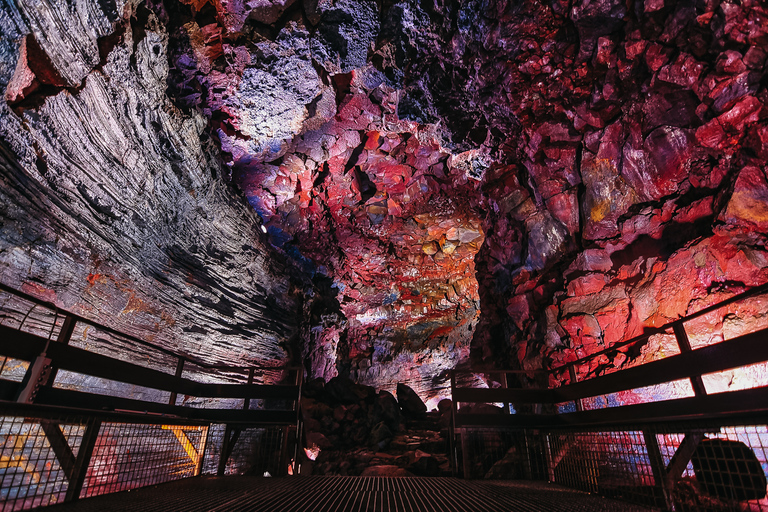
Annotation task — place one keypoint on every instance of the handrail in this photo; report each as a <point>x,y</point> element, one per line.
<point>97,325</point>
<point>742,351</point>
<point>670,325</point>
<point>651,331</point>
<point>737,352</point>
<point>27,346</point>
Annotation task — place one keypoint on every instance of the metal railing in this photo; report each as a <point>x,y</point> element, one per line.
<point>75,422</point>
<point>706,451</point>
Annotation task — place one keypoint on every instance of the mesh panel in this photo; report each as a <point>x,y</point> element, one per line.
<point>39,457</point>
<point>701,467</point>
<point>30,473</point>
<point>131,455</point>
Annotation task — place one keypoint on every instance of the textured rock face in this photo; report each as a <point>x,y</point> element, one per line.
<point>495,183</point>
<point>112,200</point>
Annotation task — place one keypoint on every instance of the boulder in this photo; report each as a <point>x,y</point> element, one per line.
<point>748,206</point>
<point>508,468</point>
<point>342,390</point>
<point>445,405</point>
<point>381,435</point>
<point>390,409</point>
<point>409,401</point>
<point>424,465</point>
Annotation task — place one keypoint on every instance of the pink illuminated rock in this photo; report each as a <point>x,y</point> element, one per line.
<point>586,285</point>
<point>748,205</point>
<point>724,132</point>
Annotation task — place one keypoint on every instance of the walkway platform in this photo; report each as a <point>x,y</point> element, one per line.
<point>348,494</point>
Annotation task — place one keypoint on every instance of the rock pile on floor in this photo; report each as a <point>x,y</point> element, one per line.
<point>353,430</point>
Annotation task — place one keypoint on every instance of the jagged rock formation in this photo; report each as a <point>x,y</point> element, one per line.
<point>489,183</point>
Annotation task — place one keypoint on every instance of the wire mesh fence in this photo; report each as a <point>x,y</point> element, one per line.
<point>128,455</point>
<point>30,473</point>
<point>40,457</point>
<point>696,468</point>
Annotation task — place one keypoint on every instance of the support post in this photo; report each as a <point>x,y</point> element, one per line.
<point>550,462</point>
<point>452,429</point>
<point>574,380</point>
<point>529,473</point>
<point>683,454</point>
<point>283,469</point>
<point>228,443</point>
<point>685,346</point>
<point>179,370</point>
<point>657,468</point>
<point>466,468</point>
<point>60,448</point>
<point>80,469</point>
<point>201,453</point>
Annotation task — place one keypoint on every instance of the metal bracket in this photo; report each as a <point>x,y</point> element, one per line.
<point>36,376</point>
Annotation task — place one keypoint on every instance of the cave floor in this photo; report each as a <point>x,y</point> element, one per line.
<point>379,494</point>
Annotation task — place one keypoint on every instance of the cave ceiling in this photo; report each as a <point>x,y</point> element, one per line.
<point>386,190</point>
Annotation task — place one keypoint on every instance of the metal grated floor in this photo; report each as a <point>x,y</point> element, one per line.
<point>348,494</point>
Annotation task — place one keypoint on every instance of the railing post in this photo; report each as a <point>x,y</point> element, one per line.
<point>574,380</point>
<point>247,400</point>
<point>179,370</point>
<point>299,421</point>
<point>42,371</point>
<point>685,346</point>
<point>452,428</point>
<point>65,335</point>
<point>657,468</point>
<point>84,453</point>
<point>35,377</point>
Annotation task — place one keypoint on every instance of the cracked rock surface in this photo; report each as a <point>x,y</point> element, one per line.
<point>442,184</point>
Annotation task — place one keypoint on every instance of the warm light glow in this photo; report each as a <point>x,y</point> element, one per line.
<point>312,452</point>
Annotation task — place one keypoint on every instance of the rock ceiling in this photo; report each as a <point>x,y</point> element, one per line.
<point>430,184</point>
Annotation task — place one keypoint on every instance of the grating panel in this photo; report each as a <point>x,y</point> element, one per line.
<point>348,494</point>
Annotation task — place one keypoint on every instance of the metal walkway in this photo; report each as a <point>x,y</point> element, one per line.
<point>349,494</point>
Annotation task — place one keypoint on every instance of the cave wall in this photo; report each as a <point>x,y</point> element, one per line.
<point>489,183</point>
<point>634,189</point>
<point>113,203</point>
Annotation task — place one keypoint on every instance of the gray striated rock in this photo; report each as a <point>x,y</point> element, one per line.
<point>113,201</point>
